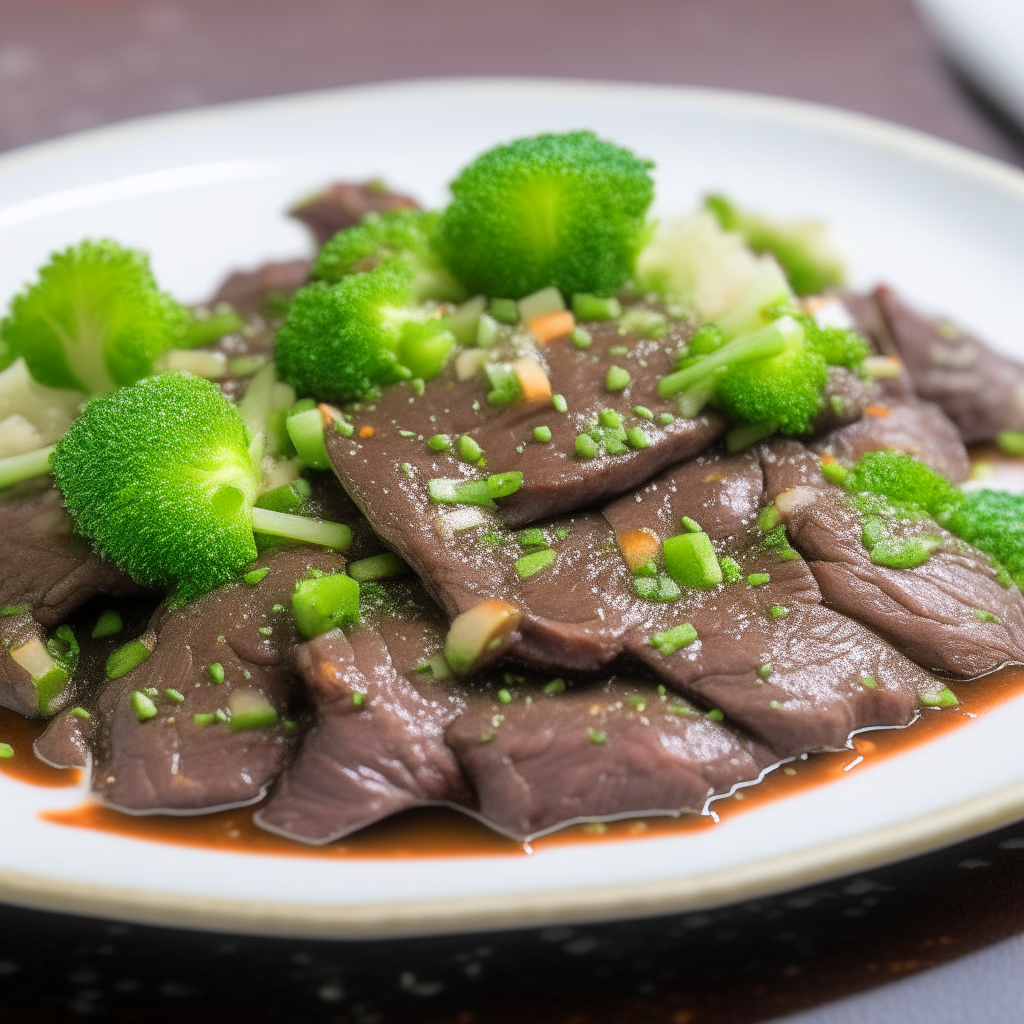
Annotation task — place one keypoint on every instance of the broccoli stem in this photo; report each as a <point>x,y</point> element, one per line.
<point>761,344</point>
<point>16,468</point>
<point>310,531</point>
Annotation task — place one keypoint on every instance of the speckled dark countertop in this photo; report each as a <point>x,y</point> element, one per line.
<point>71,64</point>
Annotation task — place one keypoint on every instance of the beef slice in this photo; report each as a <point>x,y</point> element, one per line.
<point>377,745</point>
<point>171,763</point>
<point>344,204</point>
<point>599,751</point>
<point>981,390</point>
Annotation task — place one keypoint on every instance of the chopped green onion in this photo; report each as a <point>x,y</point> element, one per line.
<point>504,696</point>
<point>377,567</point>
<point>16,609</point>
<point>505,311</point>
<point>671,640</point>
<point>945,698</point>
<point>559,403</point>
<point>287,497</point>
<point>581,337</point>
<point>716,715</point>
<point>609,418</point>
<point>636,438</point>
<point>834,472</point>
<point>174,695</point>
<point>216,672</point>
<point>143,705</point>
<point>904,554</point>
<point>16,468</point>
<point>254,577</point>
<point>1011,442</point>
<point>592,307</point>
<point>764,671</point>
<point>439,443</point>
<point>690,525</point>
<point>542,434</point>
<point>6,751</point>
<point>616,379</point>
<point>80,713</point>
<point>691,560</point>
<point>643,412</point>
<point>666,419</point>
<point>597,736</point>
<point>323,603</point>
<point>869,682</point>
<point>758,579</point>
<point>731,571</point>
<point>125,658</point>
<point>778,611</point>
<point>530,565</point>
<point>251,711</point>
<point>775,705</point>
<point>533,537</point>
<point>207,718</point>
<point>505,384</point>
<point>768,519</point>
<point>555,686</point>
<point>460,492</point>
<point>501,485</point>
<point>469,450</point>
<point>109,623</point>
<point>586,446</point>
<point>306,430</point>
<point>985,616</point>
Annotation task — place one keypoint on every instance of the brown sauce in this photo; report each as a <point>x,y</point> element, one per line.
<point>21,733</point>
<point>437,832</point>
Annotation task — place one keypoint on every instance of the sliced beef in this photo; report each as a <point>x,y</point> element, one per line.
<point>46,573</point>
<point>609,750</point>
<point>378,743</point>
<point>950,614</point>
<point>173,764</point>
<point>345,204</point>
<point>527,762</point>
<point>254,291</point>
<point>981,390</point>
<point>555,478</point>
<point>67,741</point>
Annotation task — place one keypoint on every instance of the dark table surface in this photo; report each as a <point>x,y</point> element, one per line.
<point>71,64</point>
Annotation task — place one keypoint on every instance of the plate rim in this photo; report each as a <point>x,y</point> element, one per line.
<point>419,917</point>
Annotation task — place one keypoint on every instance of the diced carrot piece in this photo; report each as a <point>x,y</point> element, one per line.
<point>551,325</point>
<point>638,547</point>
<point>828,459</point>
<point>534,380</point>
<point>366,431</point>
<point>877,411</point>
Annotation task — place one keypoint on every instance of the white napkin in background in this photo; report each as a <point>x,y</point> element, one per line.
<point>985,39</point>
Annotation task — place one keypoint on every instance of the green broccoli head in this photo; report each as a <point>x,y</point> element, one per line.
<point>159,477</point>
<point>564,210</point>
<point>339,340</point>
<point>785,389</point>
<point>904,482</point>
<point>411,234</point>
<point>95,320</point>
<point>836,345</point>
<point>800,246</point>
<point>993,522</point>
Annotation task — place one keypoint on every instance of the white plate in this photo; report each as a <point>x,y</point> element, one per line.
<point>205,191</point>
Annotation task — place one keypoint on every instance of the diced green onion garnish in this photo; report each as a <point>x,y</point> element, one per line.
<point>581,337</point>
<point>501,485</point>
<point>256,576</point>
<point>143,705</point>
<point>439,443</point>
<point>80,713</point>
<point>593,307</point>
<point>778,611</point>
<point>869,682</point>
<point>250,711</point>
<point>559,403</point>
<point>636,438</point>
<point>287,497</point>
<point>323,603</point>
<point>542,434</point>
<point>609,418</point>
<point>460,492</point>
<point>1011,442</point>
<point>758,579</point>
<point>505,311</point>
<point>15,609</point>
<point>834,472</point>
<point>207,718</point>
<point>555,686</point>
<point>597,736</point>
<point>306,430</point>
<point>377,567</point>
<point>216,672</point>
<point>904,554</point>
<point>6,751</point>
<point>586,446</point>
<point>944,698</point>
<point>504,696</point>
<point>716,715</point>
<point>691,560</point>
<point>530,565</point>
<point>671,640</point>
<point>16,468</point>
<point>533,537</point>
<point>768,519</point>
<point>616,379</point>
<point>469,450</point>
<point>643,412</point>
<point>124,659</point>
<point>109,623</point>
<point>174,695</point>
<point>731,571</point>
<point>206,331</point>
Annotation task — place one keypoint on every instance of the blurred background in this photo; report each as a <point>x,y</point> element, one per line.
<point>947,929</point>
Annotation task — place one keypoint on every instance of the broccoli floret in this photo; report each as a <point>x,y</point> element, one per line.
<point>410,234</point>
<point>565,210</point>
<point>339,340</point>
<point>95,320</point>
<point>770,377</point>
<point>994,523</point>
<point>799,246</point>
<point>160,477</point>
<point>991,521</point>
<point>905,483</point>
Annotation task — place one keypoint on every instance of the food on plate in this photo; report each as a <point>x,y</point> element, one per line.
<point>527,506</point>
